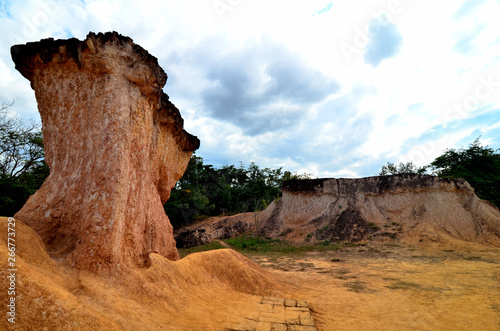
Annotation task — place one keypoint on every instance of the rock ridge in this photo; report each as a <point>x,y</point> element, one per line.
<point>376,184</point>
<point>383,207</point>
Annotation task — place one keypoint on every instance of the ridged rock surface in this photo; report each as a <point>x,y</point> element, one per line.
<point>388,207</point>
<point>115,146</point>
<point>353,209</point>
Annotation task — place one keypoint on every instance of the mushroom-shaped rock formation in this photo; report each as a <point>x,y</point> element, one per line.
<point>115,146</point>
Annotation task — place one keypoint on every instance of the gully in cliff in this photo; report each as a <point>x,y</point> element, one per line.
<point>115,146</point>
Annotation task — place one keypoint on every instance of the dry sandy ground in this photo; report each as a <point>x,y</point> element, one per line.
<point>401,287</point>
<point>448,285</point>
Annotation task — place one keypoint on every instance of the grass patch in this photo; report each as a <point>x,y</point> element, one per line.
<point>346,277</point>
<point>472,258</point>
<point>183,252</point>
<point>351,244</point>
<point>344,274</point>
<point>398,284</point>
<point>257,244</point>
<point>356,286</point>
<point>342,271</point>
<point>477,259</point>
<point>249,243</point>
<point>391,235</point>
<point>402,285</point>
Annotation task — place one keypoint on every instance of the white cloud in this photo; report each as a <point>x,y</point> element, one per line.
<point>252,81</point>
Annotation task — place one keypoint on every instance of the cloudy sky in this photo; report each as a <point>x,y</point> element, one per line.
<point>331,88</point>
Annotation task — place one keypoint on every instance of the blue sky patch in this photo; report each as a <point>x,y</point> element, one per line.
<point>324,10</point>
<point>4,8</point>
<point>468,7</point>
<point>466,44</point>
<point>385,42</point>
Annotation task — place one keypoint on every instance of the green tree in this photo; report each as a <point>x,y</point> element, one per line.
<point>22,165</point>
<point>189,198</point>
<point>401,168</point>
<point>288,175</point>
<point>206,191</point>
<point>478,165</point>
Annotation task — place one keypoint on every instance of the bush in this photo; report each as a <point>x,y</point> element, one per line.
<point>478,165</point>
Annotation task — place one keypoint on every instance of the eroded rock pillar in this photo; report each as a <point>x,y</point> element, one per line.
<point>115,146</point>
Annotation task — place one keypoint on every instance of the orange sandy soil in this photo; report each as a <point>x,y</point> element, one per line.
<point>443,284</point>
<point>388,287</point>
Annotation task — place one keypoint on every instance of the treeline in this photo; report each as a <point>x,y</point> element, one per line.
<point>478,165</point>
<point>206,191</point>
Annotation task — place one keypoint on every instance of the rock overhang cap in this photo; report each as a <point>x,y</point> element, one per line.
<point>72,49</point>
<point>49,50</point>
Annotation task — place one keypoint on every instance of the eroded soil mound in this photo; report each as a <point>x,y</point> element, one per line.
<point>205,291</point>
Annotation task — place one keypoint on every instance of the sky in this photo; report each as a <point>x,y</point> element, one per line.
<point>329,88</point>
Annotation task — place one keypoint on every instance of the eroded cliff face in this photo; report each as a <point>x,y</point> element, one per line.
<point>115,146</point>
<point>391,206</point>
<point>385,207</point>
